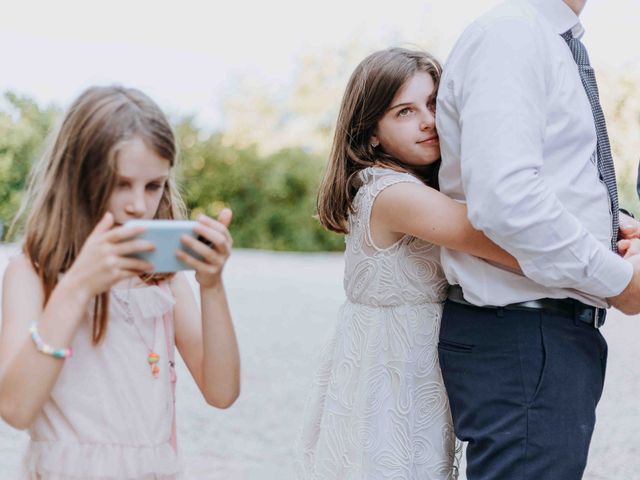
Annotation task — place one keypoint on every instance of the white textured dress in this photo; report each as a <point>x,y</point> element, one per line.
<point>378,407</point>
<point>107,417</point>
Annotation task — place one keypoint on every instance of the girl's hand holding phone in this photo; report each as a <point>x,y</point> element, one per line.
<point>214,252</point>
<point>103,261</point>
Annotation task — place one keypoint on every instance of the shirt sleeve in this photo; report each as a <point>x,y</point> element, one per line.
<point>501,103</point>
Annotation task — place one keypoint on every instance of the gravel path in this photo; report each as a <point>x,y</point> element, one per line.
<point>284,306</point>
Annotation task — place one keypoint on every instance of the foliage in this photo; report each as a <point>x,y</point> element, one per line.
<point>302,115</point>
<point>23,127</point>
<point>266,163</point>
<point>272,197</point>
<point>620,96</point>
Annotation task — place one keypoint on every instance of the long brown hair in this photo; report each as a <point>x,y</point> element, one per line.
<point>70,187</point>
<point>370,90</point>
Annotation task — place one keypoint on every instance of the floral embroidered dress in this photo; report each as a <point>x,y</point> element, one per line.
<point>107,417</point>
<point>378,407</point>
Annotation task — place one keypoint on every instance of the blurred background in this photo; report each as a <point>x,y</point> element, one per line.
<point>252,89</point>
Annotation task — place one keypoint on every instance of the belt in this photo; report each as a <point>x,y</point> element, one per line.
<point>564,306</point>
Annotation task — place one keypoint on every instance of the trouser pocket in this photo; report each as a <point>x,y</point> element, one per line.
<point>450,346</point>
<point>532,356</point>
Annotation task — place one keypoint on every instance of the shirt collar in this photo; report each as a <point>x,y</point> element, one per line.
<point>560,16</point>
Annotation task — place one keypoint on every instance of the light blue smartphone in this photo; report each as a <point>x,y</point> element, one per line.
<point>165,235</point>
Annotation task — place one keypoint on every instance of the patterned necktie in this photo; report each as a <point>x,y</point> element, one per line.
<point>604,159</point>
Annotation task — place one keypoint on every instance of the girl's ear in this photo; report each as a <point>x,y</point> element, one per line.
<point>373,141</point>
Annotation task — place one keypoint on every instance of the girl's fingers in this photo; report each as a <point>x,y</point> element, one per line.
<point>634,247</point>
<point>209,224</point>
<point>224,219</point>
<point>120,234</point>
<point>212,223</point>
<point>628,248</point>
<point>196,245</point>
<point>223,246</point>
<point>133,246</point>
<point>197,265</point>
<point>629,230</point>
<point>103,226</point>
<point>219,245</point>
<point>623,245</point>
<point>134,264</point>
<point>225,216</point>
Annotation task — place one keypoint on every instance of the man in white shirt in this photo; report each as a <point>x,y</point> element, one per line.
<point>524,146</point>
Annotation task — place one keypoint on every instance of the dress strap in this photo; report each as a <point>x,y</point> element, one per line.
<point>168,334</point>
<point>375,180</point>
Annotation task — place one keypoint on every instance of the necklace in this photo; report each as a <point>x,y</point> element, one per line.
<point>152,357</point>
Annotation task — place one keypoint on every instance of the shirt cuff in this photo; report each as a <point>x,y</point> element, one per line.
<point>610,277</point>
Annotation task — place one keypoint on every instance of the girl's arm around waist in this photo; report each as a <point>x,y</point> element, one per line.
<point>423,212</point>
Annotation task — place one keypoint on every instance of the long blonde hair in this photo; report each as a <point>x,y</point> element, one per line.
<point>70,187</point>
<point>370,90</point>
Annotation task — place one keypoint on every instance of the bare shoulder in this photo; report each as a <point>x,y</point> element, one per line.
<point>404,193</point>
<point>22,295</point>
<point>417,210</point>
<point>20,270</point>
<point>397,207</point>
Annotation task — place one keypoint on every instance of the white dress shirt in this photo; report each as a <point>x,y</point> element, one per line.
<point>518,146</point>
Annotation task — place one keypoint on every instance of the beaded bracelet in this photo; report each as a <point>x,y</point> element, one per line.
<point>47,349</point>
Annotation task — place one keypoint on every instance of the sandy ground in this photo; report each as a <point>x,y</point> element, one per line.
<point>284,306</point>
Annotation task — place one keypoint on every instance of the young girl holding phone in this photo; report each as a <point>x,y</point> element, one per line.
<point>87,340</point>
<point>378,407</point>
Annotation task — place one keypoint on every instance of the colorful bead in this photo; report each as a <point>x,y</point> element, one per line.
<point>47,349</point>
<point>153,358</point>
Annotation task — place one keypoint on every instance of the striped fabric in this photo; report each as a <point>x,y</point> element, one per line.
<point>604,158</point>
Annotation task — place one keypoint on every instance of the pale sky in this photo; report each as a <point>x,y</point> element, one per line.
<point>189,54</point>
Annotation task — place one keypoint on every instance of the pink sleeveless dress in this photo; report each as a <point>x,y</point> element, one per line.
<point>108,417</point>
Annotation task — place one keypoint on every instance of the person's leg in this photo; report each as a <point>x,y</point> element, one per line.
<point>523,387</point>
<point>561,417</point>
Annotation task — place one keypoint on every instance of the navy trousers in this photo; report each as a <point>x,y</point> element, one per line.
<point>523,386</point>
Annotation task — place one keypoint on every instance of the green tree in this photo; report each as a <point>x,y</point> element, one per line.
<point>23,127</point>
<point>273,196</point>
<point>620,96</point>
<point>302,115</point>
